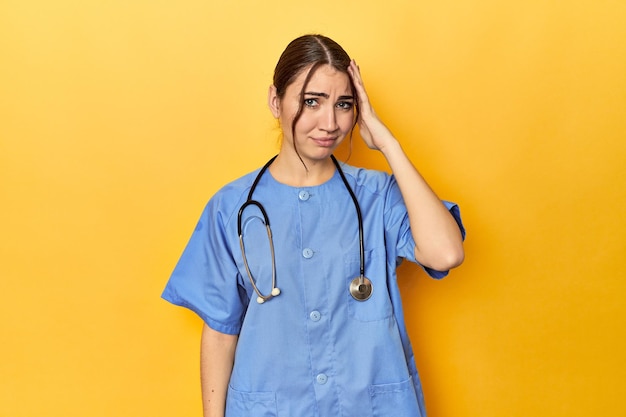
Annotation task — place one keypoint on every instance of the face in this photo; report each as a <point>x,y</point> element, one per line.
<point>327,113</point>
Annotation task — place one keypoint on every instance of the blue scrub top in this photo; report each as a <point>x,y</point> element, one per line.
<point>312,351</point>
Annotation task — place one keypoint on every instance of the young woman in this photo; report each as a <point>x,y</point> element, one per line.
<point>293,267</point>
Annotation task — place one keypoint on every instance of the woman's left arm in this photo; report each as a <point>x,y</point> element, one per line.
<point>438,240</point>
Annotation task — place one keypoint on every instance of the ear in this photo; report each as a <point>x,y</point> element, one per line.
<point>273,101</point>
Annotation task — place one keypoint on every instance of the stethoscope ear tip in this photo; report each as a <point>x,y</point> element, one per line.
<point>261,299</point>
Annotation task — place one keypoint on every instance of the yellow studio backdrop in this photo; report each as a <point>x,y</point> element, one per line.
<point>119,119</point>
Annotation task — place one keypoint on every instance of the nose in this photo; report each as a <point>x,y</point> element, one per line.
<point>328,122</point>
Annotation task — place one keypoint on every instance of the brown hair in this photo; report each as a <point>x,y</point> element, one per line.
<point>310,51</point>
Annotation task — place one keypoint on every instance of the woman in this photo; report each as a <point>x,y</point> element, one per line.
<point>307,321</point>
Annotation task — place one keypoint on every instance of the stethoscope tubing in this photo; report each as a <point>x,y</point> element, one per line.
<point>358,283</point>
<point>359,218</point>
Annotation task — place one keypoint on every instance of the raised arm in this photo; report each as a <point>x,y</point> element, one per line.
<point>438,241</point>
<point>217,354</point>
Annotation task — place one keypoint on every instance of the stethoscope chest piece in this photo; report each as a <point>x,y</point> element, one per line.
<point>361,288</point>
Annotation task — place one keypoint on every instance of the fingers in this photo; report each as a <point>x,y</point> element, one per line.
<point>354,70</point>
<point>355,74</point>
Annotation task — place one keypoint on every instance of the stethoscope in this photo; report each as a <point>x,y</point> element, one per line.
<point>360,287</point>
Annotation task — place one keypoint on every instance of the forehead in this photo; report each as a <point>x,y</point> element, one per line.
<point>325,79</point>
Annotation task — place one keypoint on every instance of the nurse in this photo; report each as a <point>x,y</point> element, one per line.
<point>284,335</point>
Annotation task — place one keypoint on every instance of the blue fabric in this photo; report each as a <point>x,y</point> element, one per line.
<point>312,351</point>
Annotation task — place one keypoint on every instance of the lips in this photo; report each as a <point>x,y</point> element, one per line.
<point>325,142</point>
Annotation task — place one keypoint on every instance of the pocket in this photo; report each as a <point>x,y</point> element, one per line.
<point>250,404</point>
<point>378,306</point>
<point>398,400</point>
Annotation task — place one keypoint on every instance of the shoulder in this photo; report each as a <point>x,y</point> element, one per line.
<point>371,180</point>
<point>239,186</point>
<point>229,198</point>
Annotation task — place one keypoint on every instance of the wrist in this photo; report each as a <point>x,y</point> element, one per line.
<point>390,148</point>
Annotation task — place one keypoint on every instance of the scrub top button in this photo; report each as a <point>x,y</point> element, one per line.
<point>307,253</point>
<point>321,379</point>
<point>315,315</point>
<point>304,195</point>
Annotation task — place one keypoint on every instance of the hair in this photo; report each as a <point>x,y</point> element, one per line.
<point>310,51</point>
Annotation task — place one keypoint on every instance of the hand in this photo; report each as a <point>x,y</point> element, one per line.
<point>373,131</point>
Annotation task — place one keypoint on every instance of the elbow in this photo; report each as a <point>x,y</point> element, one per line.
<point>455,257</point>
<point>444,260</point>
<point>449,261</point>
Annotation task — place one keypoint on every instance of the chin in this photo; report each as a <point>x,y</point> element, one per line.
<point>322,154</point>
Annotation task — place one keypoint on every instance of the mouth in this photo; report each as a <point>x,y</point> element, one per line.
<point>325,142</point>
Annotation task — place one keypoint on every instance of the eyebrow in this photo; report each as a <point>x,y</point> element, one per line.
<point>315,94</point>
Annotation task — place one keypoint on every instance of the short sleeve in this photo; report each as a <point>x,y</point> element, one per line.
<point>205,279</point>
<point>453,208</point>
<point>400,228</point>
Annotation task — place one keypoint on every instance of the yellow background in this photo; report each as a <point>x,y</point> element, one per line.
<point>119,119</point>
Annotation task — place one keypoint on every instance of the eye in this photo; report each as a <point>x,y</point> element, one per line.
<point>345,105</point>
<point>310,102</point>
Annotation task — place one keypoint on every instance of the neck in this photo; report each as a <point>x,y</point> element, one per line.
<point>291,171</point>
